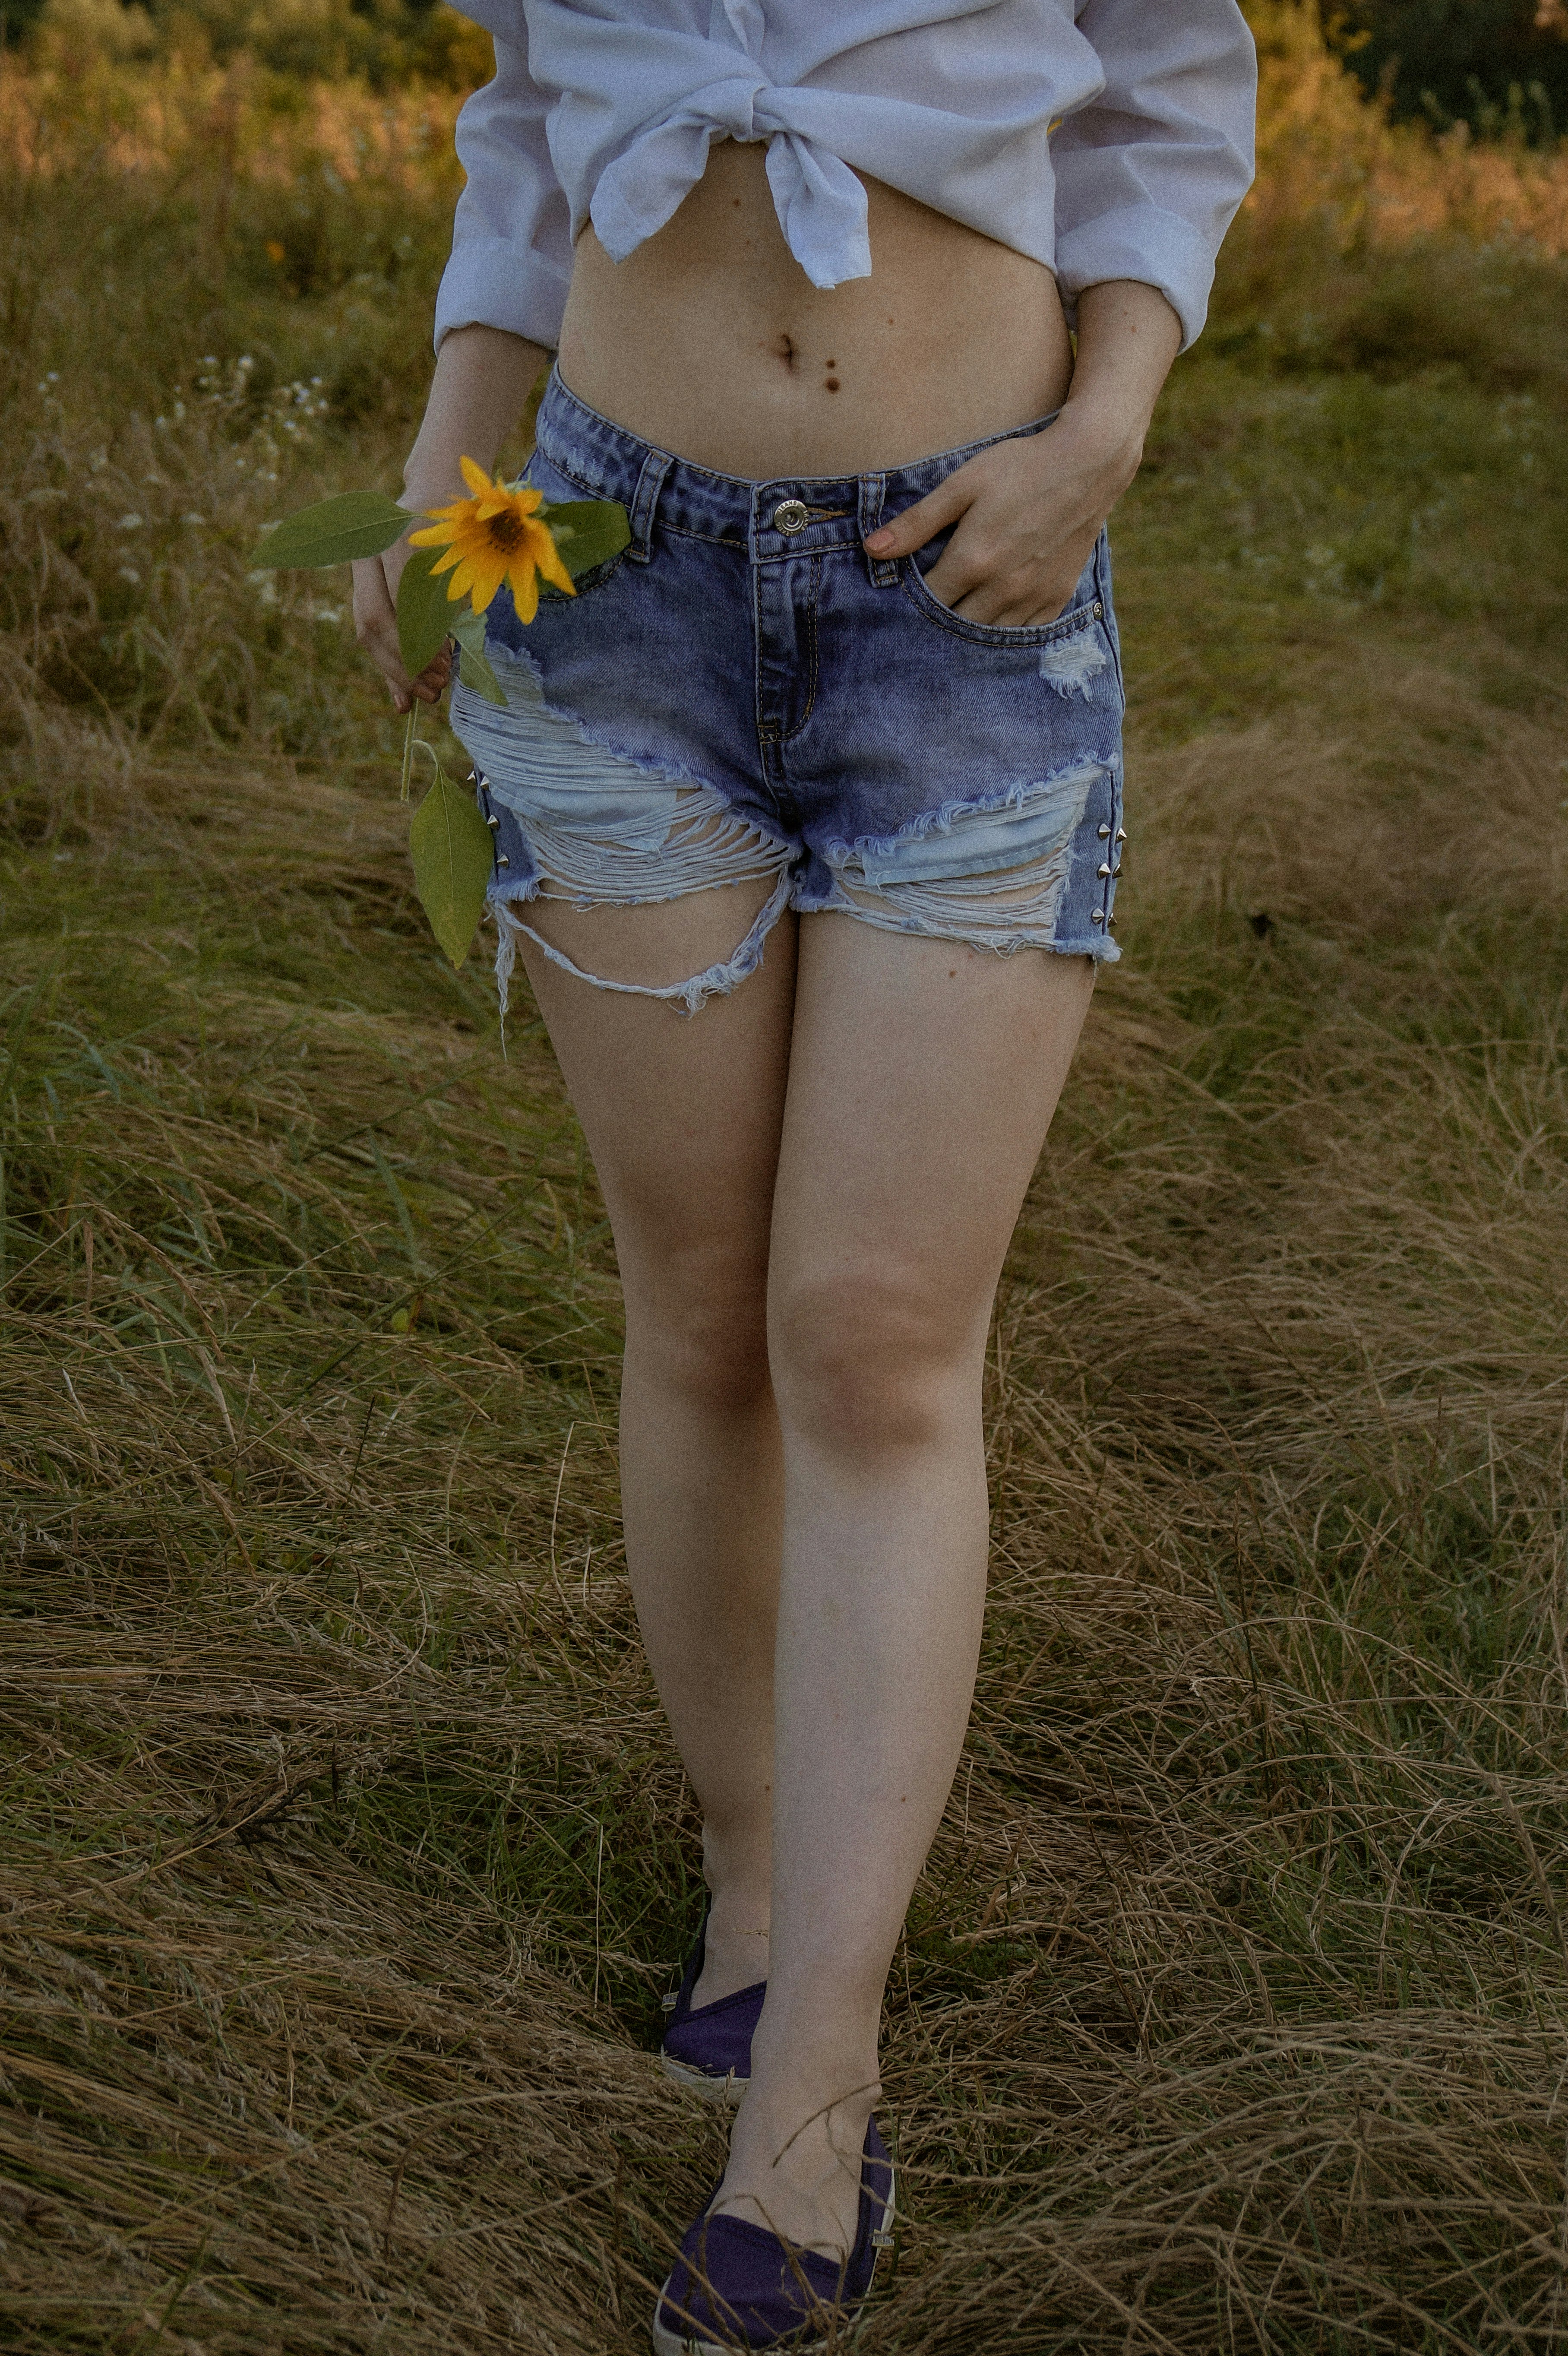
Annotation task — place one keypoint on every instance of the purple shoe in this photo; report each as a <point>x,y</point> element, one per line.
<point>709,2049</point>
<point>737,2287</point>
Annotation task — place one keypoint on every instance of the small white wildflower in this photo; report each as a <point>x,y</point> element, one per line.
<point>193,517</point>
<point>129,573</point>
<point>130,523</point>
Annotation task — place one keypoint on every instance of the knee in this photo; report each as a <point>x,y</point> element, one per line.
<point>701,1332</point>
<point>867,1359</point>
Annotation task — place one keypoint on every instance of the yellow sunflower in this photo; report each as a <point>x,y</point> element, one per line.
<point>496,536</point>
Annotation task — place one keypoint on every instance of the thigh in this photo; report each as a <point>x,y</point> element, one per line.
<point>681,1112</point>
<point>922,1078</point>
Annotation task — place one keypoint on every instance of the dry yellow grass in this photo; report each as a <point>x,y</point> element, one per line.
<point>1231,2010</point>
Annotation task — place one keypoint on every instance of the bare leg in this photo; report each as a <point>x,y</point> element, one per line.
<point>682,1116</point>
<point>923,1077</point>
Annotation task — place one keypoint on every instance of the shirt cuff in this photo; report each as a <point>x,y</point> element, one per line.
<point>491,283</point>
<point>1141,243</point>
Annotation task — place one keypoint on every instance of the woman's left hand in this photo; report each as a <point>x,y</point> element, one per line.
<point>1025,516</point>
<point>1027,513</point>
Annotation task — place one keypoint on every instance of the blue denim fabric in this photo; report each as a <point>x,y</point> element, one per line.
<point>744,693</point>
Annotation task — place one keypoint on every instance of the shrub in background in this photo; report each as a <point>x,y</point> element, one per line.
<point>386,44</point>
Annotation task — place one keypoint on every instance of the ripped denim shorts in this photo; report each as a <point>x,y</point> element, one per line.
<point>744,694</point>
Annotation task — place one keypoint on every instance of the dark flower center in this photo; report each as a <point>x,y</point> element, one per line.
<point>505,531</point>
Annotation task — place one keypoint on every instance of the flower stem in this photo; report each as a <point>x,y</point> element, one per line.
<point>409,749</point>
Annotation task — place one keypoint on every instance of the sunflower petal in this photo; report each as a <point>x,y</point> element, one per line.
<point>555,571</point>
<point>540,544</point>
<point>489,581</point>
<point>473,475</point>
<point>525,581</point>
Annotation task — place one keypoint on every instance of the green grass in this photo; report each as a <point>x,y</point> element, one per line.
<point>345,1852</point>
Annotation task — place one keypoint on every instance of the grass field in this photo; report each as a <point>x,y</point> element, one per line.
<point>345,1855</point>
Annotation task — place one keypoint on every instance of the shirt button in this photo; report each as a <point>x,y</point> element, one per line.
<point>790,515</point>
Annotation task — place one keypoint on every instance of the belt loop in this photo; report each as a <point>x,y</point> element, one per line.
<point>645,501</point>
<point>884,570</point>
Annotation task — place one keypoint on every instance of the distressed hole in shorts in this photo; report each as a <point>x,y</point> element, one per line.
<point>1070,664</point>
<point>603,831</point>
<point>991,874</point>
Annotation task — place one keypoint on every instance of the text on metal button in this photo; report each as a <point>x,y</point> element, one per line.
<point>790,515</point>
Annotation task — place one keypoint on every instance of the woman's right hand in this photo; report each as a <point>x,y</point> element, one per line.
<point>478,392</point>
<point>376,580</point>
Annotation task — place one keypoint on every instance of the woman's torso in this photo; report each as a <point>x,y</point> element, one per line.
<point>710,341</point>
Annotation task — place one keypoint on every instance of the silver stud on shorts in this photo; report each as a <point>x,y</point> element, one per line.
<point>790,515</point>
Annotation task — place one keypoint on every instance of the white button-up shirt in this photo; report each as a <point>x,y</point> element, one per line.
<point>1103,138</point>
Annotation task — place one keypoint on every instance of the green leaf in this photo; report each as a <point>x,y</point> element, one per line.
<point>427,616</point>
<point>591,531</point>
<point>452,863</point>
<point>334,532</point>
<point>468,629</point>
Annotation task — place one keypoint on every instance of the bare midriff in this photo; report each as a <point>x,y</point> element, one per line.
<point>710,341</point>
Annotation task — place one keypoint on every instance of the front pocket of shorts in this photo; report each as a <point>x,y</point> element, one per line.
<point>993,634</point>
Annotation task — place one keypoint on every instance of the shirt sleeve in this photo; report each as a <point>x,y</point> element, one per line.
<point>511,242</point>
<point>1150,172</point>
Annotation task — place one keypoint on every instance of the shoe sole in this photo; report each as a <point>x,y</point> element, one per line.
<point>701,2082</point>
<point>671,2343</point>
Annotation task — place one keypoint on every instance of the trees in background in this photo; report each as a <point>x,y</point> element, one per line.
<point>1498,65</point>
